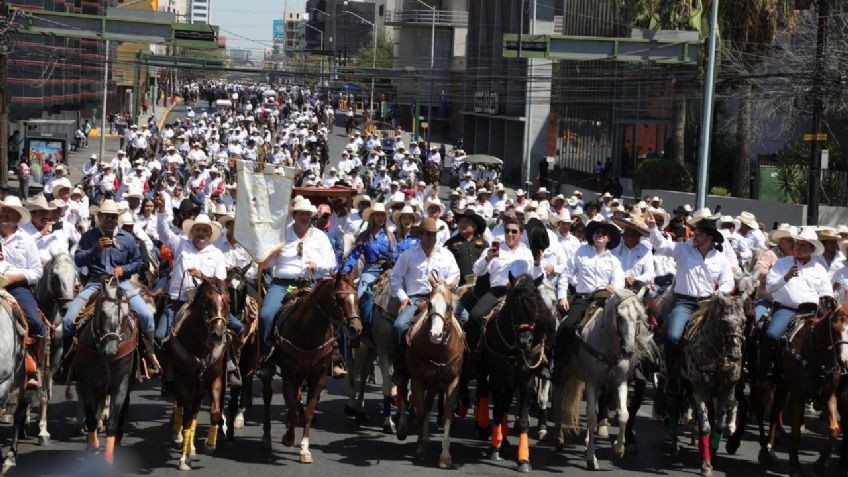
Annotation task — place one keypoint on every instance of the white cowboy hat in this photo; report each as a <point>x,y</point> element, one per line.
<point>136,192</point>
<point>375,208</point>
<point>558,197</point>
<point>659,211</point>
<point>219,209</point>
<point>541,190</point>
<point>12,202</point>
<point>60,185</point>
<point>577,212</point>
<point>563,216</point>
<point>37,203</point>
<point>575,193</point>
<point>500,188</point>
<point>58,203</point>
<point>126,218</point>
<point>457,192</point>
<point>396,199</point>
<point>224,219</point>
<point>407,210</point>
<point>431,202</point>
<point>748,219</point>
<point>302,204</point>
<point>635,222</point>
<point>77,191</point>
<point>572,201</point>
<point>782,231</point>
<point>828,233</point>
<point>702,214</point>
<point>360,199</point>
<point>108,206</point>
<point>520,193</point>
<point>808,234</point>
<point>203,219</point>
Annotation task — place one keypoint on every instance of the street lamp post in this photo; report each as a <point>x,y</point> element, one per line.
<point>432,66</point>
<point>373,58</point>
<point>321,74</point>
<point>332,40</point>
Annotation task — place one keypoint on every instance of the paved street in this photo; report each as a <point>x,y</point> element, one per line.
<point>341,447</point>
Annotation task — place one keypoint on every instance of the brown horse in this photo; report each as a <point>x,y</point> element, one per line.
<point>812,361</point>
<point>435,356</point>
<point>198,341</point>
<point>303,350</point>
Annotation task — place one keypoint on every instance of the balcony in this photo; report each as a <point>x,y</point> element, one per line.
<point>444,18</point>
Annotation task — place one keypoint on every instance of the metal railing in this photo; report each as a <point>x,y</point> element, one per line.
<point>453,18</point>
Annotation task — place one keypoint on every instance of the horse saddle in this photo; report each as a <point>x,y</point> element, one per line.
<point>383,295</point>
<point>596,306</point>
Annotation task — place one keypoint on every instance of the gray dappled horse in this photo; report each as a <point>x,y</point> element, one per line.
<point>602,356</point>
<point>12,377</point>
<point>53,293</point>
<point>103,365</point>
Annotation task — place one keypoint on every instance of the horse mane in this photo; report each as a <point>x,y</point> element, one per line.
<point>523,298</point>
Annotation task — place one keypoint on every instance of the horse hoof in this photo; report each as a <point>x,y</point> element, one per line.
<point>193,453</point>
<point>617,450</point>
<point>306,457</point>
<point>445,462</point>
<point>524,467</point>
<point>266,441</point>
<point>560,445</point>
<point>43,441</point>
<point>288,440</point>
<point>177,443</point>
<point>401,431</point>
<point>238,422</point>
<point>542,434</point>
<point>706,470</point>
<point>361,417</point>
<point>592,464</point>
<point>349,410</point>
<point>733,444</point>
<point>495,455</point>
<point>388,428</point>
<point>767,457</point>
<point>208,450</point>
<point>420,453</point>
<point>184,465</point>
<point>603,431</point>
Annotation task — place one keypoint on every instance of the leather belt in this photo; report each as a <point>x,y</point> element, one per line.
<point>679,296</point>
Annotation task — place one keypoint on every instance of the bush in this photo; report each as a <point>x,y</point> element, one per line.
<point>663,174</point>
<point>720,191</point>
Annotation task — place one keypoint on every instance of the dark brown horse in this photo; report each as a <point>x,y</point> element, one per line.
<point>198,341</point>
<point>811,362</point>
<point>435,356</point>
<point>303,351</point>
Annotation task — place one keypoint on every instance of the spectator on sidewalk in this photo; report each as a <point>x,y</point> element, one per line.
<point>23,172</point>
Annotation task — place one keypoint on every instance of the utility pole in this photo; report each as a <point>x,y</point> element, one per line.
<point>707,120</point>
<point>4,98</point>
<point>814,178</point>
<point>103,104</point>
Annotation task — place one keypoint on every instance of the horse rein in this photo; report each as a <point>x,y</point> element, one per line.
<point>511,346</point>
<point>110,336</point>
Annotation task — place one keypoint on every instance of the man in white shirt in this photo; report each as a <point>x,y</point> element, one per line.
<point>566,244</point>
<point>410,283</point>
<point>749,228</point>
<point>49,240</point>
<point>434,209</point>
<point>637,259</point>
<point>738,251</point>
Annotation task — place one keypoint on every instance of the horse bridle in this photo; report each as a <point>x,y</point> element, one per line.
<point>835,345</point>
<point>518,328</point>
<point>101,339</point>
<point>211,321</point>
<point>337,303</point>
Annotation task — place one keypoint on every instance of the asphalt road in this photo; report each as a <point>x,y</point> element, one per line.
<point>341,447</point>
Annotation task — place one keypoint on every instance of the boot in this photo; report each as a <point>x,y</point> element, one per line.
<point>338,370</point>
<point>400,378</point>
<point>233,372</point>
<point>765,358</point>
<point>152,362</point>
<point>32,348</point>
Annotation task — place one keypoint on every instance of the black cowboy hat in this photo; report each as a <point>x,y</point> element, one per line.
<point>186,206</point>
<point>613,232</point>
<point>537,235</point>
<point>709,227</point>
<point>479,222</point>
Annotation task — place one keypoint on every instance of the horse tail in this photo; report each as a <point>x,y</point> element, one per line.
<point>572,397</point>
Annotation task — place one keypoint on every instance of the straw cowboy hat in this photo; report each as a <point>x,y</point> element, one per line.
<point>203,219</point>
<point>782,231</point>
<point>747,218</point>
<point>12,202</point>
<point>828,233</point>
<point>426,225</point>
<point>375,208</point>
<point>558,198</point>
<point>842,230</point>
<point>808,234</point>
<point>431,202</point>
<point>360,199</point>
<point>37,203</point>
<point>563,216</point>
<point>520,193</point>
<point>702,214</point>
<point>224,219</point>
<point>541,190</point>
<point>406,210</point>
<point>302,204</point>
<point>635,223</point>
<point>219,209</point>
<point>60,185</point>
<point>660,212</point>
<point>705,220</point>
<point>134,191</point>
<point>613,232</point>
<point>126,218</point>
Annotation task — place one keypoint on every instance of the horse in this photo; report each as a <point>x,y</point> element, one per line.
<point>712,367</point>
<point>435,360</point>
<point>605,352</point>
<point>513,342</point>
<point>813,358</point>
<point>303,351</point>
<point>53,293</point>
<point>12,373</point>
<point>103,364</point>
<point>197,342</point>
<point>548,290</point>
<point>246,350</point>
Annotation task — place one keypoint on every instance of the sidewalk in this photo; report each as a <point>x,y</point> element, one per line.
<point>159,112</point>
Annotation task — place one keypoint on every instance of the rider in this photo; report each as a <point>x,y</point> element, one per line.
<point>783,245</point>
<point>109,251</point>
<point>379,250</point>
<point>404,220</point>
<point>636,258</point>
<point>410,282</point>
<point>594,271</point>
<point>466,246</point>
<point>702,269</point>
<point>796,283</point>
<point>20,267</point>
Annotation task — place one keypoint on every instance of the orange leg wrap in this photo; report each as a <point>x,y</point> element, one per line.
<point>93,441</point>
<point>523,448</point>
<point>497,436</point>
<point>482,413</point>
<point>109,452</point>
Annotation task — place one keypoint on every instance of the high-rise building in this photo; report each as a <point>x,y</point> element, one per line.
<point>344,34</point>
<point>200,12</point>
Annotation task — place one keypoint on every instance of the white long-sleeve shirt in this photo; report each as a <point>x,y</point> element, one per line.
<point>316,248</point>
<point>811,283</point>
<point>498,267</point>
<point>589,272</point>
<point>697,276</point>
<point>20,255</point>
<point>637,262</point>
<point>411,273</point>
<point>210,261</point>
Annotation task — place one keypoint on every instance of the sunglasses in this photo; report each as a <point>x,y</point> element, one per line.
<point>512,231</point>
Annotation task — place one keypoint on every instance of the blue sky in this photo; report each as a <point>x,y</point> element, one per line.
<point>248,23</point>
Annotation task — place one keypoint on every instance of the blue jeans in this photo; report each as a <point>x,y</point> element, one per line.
<point>761,309</point>
<point>680,314</point>
<point>271,304</point>
<point>23,295</point>
<point>166,320</point>
<point>779,321</point>
<point>139,307</point>
<point>365,294</point>
<point>404,318</point>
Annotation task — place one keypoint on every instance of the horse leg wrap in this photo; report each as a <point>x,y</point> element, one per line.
<point>523,448</point>
<point>193,430</point>
<point>186,442</point>
<point>212,438</point>
<point>387,406</point>
<point>93,442</point>
<point>481,414</point>
<point>504,425</point>
<point>109,452</point>
<point>497,436</point>
<point>705,448</point>
<point>715,439</point>
<point>178,419</point>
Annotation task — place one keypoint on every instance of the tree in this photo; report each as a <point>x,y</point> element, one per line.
<point>385,52</point>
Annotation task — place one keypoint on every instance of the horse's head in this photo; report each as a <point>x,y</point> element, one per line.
<point>839,333</point>
<point>726,313</point>
<point>526,309</point>
<point>63,276</point>
<point>345,300</point>
<point>440,309</point>
<point>211,304</point>
<point>111,319</point>
<point>630,311</point>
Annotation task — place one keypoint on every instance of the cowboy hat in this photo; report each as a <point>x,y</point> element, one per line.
<point>563,216</point>
<point>397,199</point>
<point>457,193</point>
<point>708,226</point>
<point>186,207</point>
<point>808,234</point>
<point>126,218</point>
<point>660,212</point>
<point>828,233</point>
<point>576,212</point>
<point>108,206</point>
<point>434,202</point>
<point>520,193</point>
<point>537,233</point>
<point>136,192</point>
<point>634,222</point>
<point>842,230</point>
<point>302,204</point>
<point>426,225</point>
<point>360,199</point>
<point>203,219</point>
<point>700,215</point>
<point>12,202</point>
<point>379,207</point>
<point>541,190</point>
<point>470,214</point>
<point>224,219</point>
<point>611,230</point>
<point>843,246</point>
<point>61,184</point>
<point>406,210</point>
<point>606,195</point>
<point>782,231</point>
<point>558,197</point>
<point>747,218</point>
<point>577,193</point>
<point>58,203</point>
<point>37,203</point>
<point>483,191</point>
<point>219,209</point>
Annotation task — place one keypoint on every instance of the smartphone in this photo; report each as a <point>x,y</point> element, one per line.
<point>717,209</point>
<point>496,244</point>
<point>775,225</point>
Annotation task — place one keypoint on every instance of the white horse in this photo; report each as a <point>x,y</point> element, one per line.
<point>12,377</point>
<point>602,357</point>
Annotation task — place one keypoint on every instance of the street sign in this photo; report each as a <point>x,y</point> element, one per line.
<point>810,137</point>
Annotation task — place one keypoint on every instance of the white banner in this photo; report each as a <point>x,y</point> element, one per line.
<point>262,210</point>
